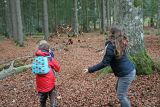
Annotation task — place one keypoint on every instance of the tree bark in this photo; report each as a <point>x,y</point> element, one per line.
<point>107,14</point>
<point>76,31</point>
<point>14,19</point>
<point>8,18</point>
<point>131,21</point>
<point>115,10</point>
<point>45,16</point>
<point>95,13</point>
<point>103,16</point>
<point>158,17</point>
<point>19,23</point>
<point>12,70</point>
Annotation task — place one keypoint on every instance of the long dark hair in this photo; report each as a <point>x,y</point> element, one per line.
<point>119,40</point>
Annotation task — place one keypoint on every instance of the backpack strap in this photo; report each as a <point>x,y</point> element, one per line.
<point>49,57</point>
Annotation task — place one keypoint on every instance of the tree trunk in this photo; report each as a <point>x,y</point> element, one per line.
<point>151,22</point>
<point>132,25</point>
<point>45,16</point>
<point>84,14</point>
<point>158,17</point>
<point>14,19</point>
<point>95,13</point>
<point>108,14</point>
<point>8,18</point>
<point>12,70</point>
<point>103,16</point>
<point>115,12</point>
<point>76,33</point>
<point>19,23</point>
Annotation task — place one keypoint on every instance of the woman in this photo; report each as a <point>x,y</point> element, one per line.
<point>116,57</point>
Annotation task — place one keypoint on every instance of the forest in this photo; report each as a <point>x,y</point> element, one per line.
<point>76,31</point>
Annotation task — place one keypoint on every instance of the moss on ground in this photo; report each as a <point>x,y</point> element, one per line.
<point>143,63</point>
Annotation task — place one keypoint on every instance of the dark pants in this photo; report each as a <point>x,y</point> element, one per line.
<point>44,95</point>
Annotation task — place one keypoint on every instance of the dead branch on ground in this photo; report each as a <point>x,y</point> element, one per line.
<point>13,70</point>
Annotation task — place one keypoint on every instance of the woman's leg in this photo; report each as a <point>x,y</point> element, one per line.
<point>122,88</point>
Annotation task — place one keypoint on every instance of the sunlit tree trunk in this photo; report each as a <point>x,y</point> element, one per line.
<point>45,20</point>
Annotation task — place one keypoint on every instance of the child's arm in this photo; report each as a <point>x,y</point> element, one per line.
<point>55,65</point>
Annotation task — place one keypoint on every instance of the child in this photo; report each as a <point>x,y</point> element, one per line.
<point>116,57</point>
<point>45,83</point>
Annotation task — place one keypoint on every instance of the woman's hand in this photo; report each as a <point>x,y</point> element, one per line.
<point>86,71</point>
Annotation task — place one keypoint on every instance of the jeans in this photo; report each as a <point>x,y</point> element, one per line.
<point>122,88</point>
<point>44,95</point>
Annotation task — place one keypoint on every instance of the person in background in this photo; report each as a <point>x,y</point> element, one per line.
<point>116,57</point>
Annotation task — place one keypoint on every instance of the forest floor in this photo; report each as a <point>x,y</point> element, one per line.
<point>75,88</point>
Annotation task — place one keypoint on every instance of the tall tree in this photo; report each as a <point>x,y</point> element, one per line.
<point>45,16</point>
<point>158,17</point>
<point>131,20</point>
<point>14,19</point>
<point>103,16</point>
<point>108,15</point>
<point>76,31</point>
<point>84,14</point>
<point>132,24</point>
<point>8,19</point>
<point>115,11</point>
<point>95,13</point>
<point>19,23</point>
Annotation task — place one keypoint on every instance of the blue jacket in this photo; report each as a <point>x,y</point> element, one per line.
<point>120,67</point>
